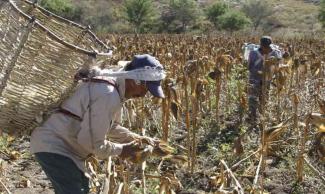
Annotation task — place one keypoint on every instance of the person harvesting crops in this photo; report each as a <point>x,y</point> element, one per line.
<point>256,62</point>
<point>87,123</point>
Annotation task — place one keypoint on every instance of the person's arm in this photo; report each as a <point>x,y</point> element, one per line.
<point>120,134</point>
<point>277,54</point>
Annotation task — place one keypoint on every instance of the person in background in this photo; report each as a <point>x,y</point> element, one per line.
<point>88,123</point>
<point>256,61</point>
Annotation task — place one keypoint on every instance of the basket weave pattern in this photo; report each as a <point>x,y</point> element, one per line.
<point>39,55</point>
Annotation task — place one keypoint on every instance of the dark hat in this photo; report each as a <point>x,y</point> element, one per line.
<point>266,41</point>
<point>142,61</point>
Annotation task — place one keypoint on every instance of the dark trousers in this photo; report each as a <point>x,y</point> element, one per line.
<point>254,99</point>
<point>64,174</point>
<point>255,102</point>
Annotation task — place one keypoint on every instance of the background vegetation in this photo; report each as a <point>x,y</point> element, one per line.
<point>194,16</point>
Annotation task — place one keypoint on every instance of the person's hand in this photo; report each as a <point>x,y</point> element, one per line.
<point>149,140</point>
<point>273,60</point>
<point>286,55</point>
<point>130,149</point>
<point>135,152</point>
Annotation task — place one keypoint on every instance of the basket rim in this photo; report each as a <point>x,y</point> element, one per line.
<point>36,22</point>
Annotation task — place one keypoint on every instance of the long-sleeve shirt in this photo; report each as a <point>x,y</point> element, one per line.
<point>75,139</point>
<point>255,64</point>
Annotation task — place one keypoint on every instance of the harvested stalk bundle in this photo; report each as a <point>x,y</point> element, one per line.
<point>159,149</point>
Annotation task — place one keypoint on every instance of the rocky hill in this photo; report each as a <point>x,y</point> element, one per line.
<point>291,17</point>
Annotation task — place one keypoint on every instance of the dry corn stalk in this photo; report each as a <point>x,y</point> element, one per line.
<point>216,75</point>
<point>300,159</point>
<point>321,104</point>
<point>5,187</point>
<point>143,168</point>
<point>165,117</point>
<point>238,187</point>
<point>108,176</point>
<point>92,166</point>
<point>187,119</point>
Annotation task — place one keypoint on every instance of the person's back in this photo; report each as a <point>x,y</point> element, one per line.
<point>65,135</point>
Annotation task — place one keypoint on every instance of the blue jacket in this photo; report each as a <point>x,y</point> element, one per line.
<point>255,64</point>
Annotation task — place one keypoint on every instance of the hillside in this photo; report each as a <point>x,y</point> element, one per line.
<point>291,17</point>
<point>297,16</point>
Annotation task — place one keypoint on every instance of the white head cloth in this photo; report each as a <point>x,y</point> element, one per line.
<point>144,74</point>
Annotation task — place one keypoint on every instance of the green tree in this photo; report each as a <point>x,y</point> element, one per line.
<point>321,15</point>
<point>63,8</point>
<point>98,15</point>
<point>258,11</point>
<point>139,13</point>
<point>179,15</point>
<point>233,21</point>
<point>215,11</point>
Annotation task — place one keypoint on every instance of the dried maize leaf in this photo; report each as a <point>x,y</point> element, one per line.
<point>321,129</point>
<point>296,99</point>
<point>318,120</point>
<point>215,181</point>
<point>282,79</point>
<point>172,180</point>
<point>92,164</point>
<point>274,132</point>
<point>276,126</point>
<point>120,188</point>
<point>315,68</point>
<point>156,100</point>
<point>177,158</point>
<point>25,183</point>
<point>190,67</point>
<point>321,104</point>
<point>14,155</point>
<point>163,149</point>
<point>301,124</point>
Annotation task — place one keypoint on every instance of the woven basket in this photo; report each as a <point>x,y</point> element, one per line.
<point>39,54</point>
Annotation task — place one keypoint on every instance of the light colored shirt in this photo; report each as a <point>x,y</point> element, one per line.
<point>98,133</point>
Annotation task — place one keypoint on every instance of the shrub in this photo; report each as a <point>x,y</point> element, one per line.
<point>233,21</point>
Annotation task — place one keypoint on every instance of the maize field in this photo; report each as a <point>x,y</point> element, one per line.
<point>206,145</point>
<point>206,91</point>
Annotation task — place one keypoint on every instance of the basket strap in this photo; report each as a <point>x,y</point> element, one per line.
<point>68,113</point>
<point>107,81</point>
